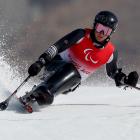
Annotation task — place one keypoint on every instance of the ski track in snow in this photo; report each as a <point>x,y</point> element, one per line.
<point>106,113</point>
<point>99,113</point>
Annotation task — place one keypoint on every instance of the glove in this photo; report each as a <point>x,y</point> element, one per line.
<point>35,68</point>
<point>119,78</point>
<point>132,78</point>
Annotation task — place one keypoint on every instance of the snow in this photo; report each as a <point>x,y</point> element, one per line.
<point>98,113</point>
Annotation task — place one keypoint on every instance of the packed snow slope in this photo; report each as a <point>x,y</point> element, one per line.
<point>90,113</point>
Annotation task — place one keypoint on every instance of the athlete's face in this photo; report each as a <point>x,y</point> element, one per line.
<point>102,32</point>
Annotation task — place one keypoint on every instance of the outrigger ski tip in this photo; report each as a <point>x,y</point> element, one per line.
<point>3,105</point>
<point>126,86</point>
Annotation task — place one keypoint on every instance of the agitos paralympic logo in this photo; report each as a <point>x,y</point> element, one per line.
<point>89,55</point>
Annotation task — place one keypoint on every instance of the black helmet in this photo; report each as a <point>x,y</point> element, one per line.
<point>106,18</point>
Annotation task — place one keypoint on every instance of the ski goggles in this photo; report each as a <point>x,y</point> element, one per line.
<point>106,31</point>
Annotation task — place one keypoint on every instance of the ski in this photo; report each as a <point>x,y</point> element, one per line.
<point>27,107</point>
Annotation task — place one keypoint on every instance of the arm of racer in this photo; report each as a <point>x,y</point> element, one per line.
<point>61,45</point>
<point>113,71</point>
